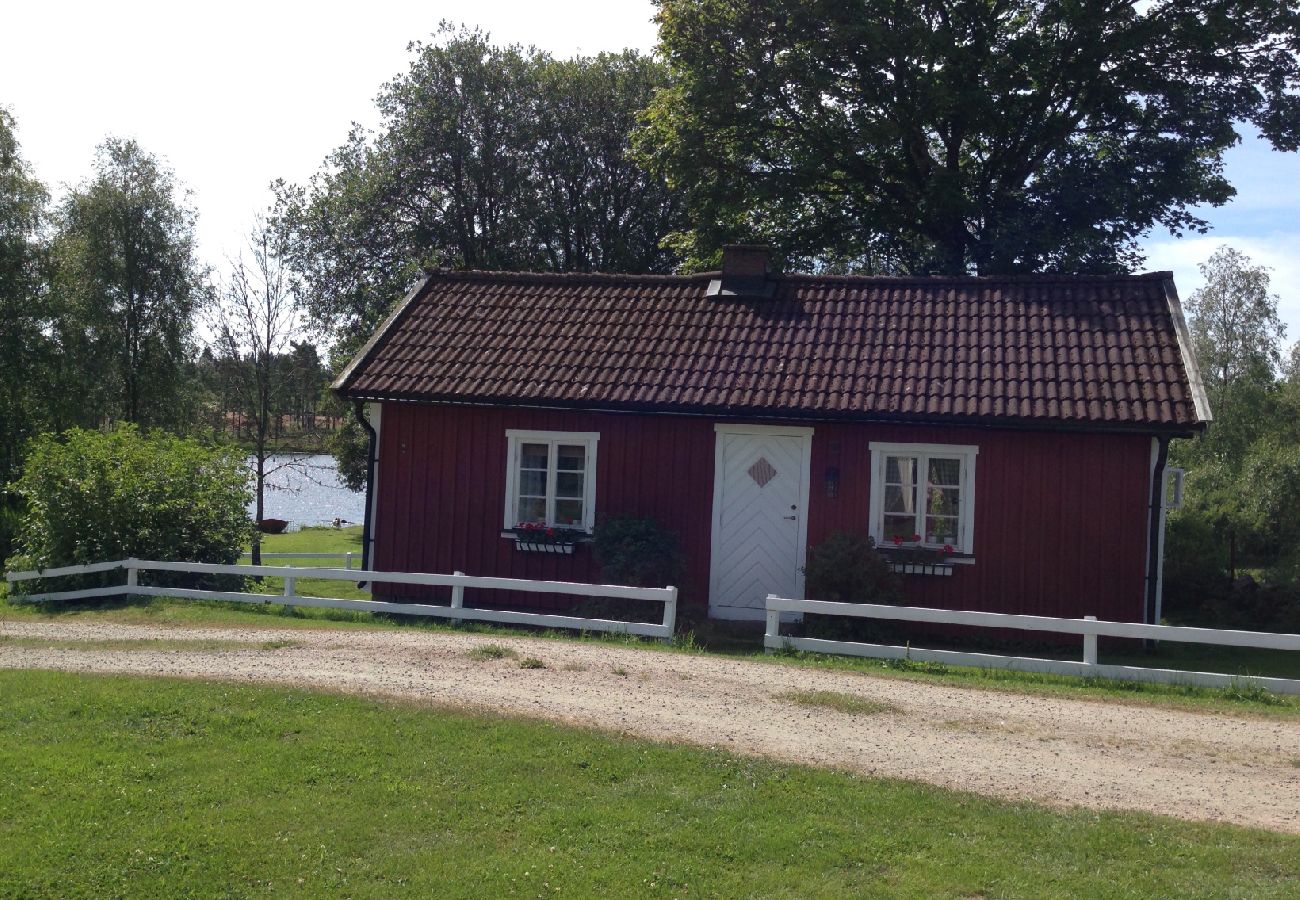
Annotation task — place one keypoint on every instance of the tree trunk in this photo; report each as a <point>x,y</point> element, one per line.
<point>261,493</point>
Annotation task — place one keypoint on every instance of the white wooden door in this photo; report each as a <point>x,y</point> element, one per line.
<point>760,498</point>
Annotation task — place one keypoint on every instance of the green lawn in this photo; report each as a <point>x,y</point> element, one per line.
<point>317,540</point>
<point>115,786</point>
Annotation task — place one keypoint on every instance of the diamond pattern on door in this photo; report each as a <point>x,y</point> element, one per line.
<point>757,523</point>
<point>762,471</point>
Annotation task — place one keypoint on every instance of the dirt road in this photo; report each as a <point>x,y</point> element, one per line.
<point>1194,765</point>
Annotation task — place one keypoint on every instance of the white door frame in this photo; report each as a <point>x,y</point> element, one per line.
<point>805,475</point>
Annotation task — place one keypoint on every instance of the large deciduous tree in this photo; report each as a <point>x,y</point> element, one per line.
<point>25,316</point>
<point>132,284</point>
<point>993,136</point>
<point>487,157</point>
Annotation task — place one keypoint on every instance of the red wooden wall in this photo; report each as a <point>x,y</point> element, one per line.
<point>1060,518</point>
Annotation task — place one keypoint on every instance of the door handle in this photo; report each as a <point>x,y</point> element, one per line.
<point>791,518</point>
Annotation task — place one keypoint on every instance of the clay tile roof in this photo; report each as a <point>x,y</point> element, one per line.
<point>1090,351</point>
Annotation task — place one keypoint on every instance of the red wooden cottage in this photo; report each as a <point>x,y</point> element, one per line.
<point>1023,422</point>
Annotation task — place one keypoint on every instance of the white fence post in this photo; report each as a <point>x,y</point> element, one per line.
<point>132,574</point>
<point>670,613</point>
<point>347,561</point>
<point>290,589</point>
<point>457,598</point>
<point>772,633</point>
<point>1090,645</point>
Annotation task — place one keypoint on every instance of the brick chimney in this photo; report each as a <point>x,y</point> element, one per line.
<point>745,271</point>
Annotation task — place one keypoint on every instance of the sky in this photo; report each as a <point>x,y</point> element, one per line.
<point>233,95</point>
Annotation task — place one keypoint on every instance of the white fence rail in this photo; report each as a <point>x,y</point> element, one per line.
<point>456,611</point>
<point>1088,627</point>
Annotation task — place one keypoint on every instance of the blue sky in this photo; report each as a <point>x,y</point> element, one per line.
<point>1262,221</point>
<point>238,93</point>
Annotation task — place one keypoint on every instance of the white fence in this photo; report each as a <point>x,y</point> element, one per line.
<point>1089,627</point>
<point>456,611</point>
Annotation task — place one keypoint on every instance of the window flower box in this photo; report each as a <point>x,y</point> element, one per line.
<point>913,558</point>
<point>534,547</point>
<point>531,537</point>
<point>921,568</point>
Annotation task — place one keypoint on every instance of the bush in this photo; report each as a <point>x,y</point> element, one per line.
<point>847,568</point>
<point>638,551</point>
<point>1196,565</point>
<point>92,497</point>
<point>10,518</point>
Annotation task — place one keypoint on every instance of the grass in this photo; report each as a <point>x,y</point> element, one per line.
<point>531,662</point>
<point>485,652</point>
<point>316,540</point>
<point>850,704</point>
<point>715,638</point>
<point>117,786</point>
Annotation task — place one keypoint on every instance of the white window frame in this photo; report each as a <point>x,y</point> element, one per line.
<point>966,518</point>
<point>588,439</point>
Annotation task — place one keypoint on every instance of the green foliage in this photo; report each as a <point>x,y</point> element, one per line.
<point>488,157</point>
<point>27,350</point>
<point>1236,331</point>
<point>638,551</point>
<point>847,568</point>
<point>94,497</point>
<point>127,270</point>
<point>957,135</point>
<point>10,519</point>
<point>1243,475</point>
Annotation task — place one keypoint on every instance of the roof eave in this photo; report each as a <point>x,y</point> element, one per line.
<point>367,350</point>
<point>1200,400</point>
<point>1170,429</point>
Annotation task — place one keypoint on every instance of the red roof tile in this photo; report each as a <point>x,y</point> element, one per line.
<point>1084,350</point>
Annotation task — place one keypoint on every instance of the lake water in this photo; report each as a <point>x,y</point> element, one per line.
<point>307,492</point>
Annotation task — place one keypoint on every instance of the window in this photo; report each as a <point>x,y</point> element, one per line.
<point>923,494</point>
<point>551,478</point>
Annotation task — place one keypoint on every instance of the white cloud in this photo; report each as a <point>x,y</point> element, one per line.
<point>1278,250</point>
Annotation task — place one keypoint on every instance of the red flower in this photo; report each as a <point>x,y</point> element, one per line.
<point>948,550</point>
<point>550,532</point>
<point>916,537</point>
<point>898,540</point>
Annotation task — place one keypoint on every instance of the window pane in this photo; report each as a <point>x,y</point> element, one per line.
<point>532,483</point>
<point>532,509</point>
<point>946,472</point>
<point>533,456</point>
<point>572,457</point>
<point>569,484</point>
<point>899,526</point>
<point>568,512</point>
<point>900,499</point>
<point>944,502</point>
<point>940,530</point>
<point>900,470</point>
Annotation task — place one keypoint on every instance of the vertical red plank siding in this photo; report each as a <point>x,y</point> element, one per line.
<point>1060,518</point>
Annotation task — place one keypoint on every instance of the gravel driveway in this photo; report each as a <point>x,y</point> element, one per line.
<point>1239,769</point>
